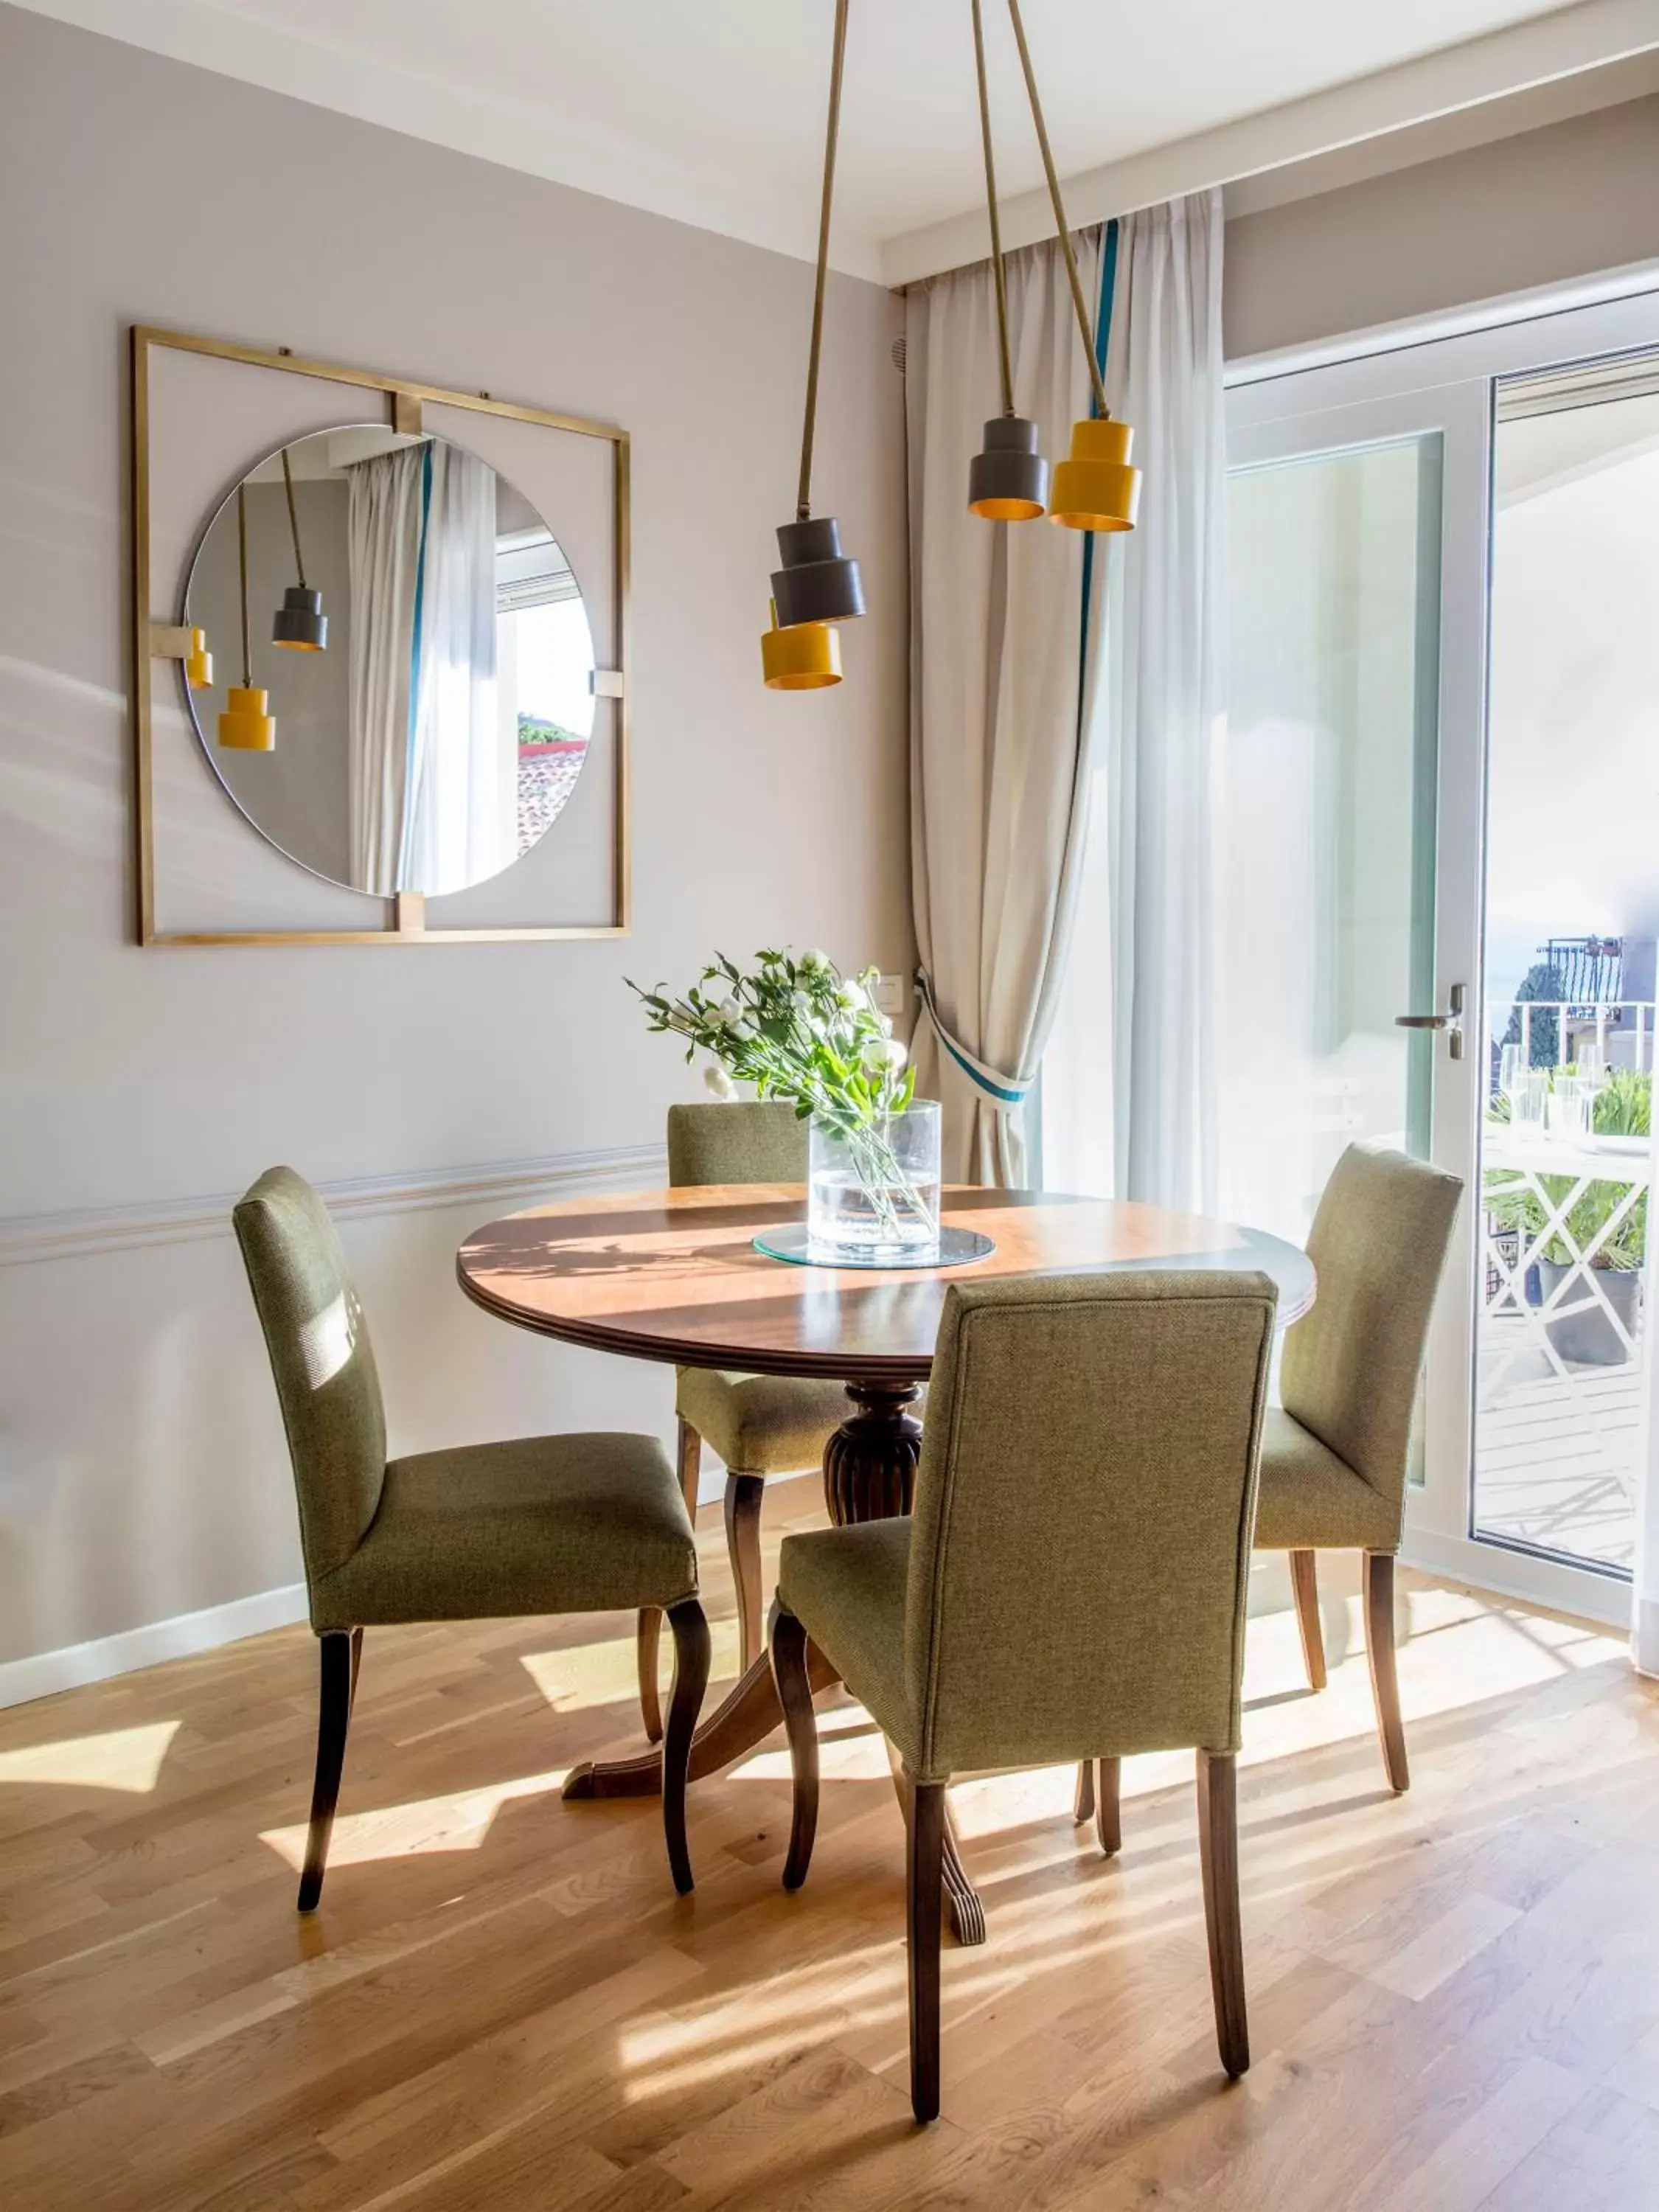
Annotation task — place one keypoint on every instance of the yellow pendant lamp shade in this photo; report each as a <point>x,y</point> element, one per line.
<point>1095,487</point>
<point>804,658</point>
<point>199,662</point>
<point>247,725</point>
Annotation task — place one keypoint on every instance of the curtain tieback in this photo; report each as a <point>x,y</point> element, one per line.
<point>1004,1091</point>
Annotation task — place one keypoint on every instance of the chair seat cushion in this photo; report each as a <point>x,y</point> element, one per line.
<point>762,1423</point>
<point>1310,1500</point>
<point>581,1523</point>
<point>846,1586</point>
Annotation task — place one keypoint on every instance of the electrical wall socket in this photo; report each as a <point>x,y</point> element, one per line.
<point>892,994</point>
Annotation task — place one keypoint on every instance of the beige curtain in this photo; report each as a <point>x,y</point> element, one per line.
<point>995,772</point>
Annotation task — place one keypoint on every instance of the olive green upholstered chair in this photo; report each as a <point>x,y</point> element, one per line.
<point>543,1524</point>
<point>1334,1458</point>
<point>758,1424</point>
<point>1071,1581</point>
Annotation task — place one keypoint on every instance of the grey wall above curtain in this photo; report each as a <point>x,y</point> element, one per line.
<point>995,670</point>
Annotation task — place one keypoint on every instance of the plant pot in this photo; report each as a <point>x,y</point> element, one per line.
<point>873,1188</point>
<point>1588,1338</point>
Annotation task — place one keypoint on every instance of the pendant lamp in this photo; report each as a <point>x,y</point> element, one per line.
<point>1095,488</point>
<point>1008,482</point>
<point>818,584</point>
<point>247,725</point>
<point>300,622</point>
<point>199,662</point>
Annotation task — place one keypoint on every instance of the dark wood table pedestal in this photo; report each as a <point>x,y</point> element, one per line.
<point>869,1472</point>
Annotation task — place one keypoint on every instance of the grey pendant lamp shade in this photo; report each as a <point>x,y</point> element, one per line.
<point>817,581</point>
<point>300,622</point>
<point>1008,482</point>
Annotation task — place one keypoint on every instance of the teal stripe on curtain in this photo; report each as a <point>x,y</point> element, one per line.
<point>1103,332</point>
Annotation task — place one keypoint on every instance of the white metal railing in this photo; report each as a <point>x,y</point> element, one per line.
<point>1612,1020</point>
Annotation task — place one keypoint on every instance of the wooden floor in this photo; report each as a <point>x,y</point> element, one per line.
<point>1453,1996</point>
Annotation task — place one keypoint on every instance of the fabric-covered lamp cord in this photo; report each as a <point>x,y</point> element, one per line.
<point>803,499</point>
<point>1058,205</point>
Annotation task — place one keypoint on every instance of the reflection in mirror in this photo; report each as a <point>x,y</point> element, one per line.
<point>436,720</point>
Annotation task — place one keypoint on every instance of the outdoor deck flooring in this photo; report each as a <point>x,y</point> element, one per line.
<point>1555,1461</point>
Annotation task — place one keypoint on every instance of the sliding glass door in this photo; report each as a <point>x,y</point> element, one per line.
<point>1435,926</point>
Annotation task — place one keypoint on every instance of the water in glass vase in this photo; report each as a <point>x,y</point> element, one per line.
<point>873,1191</point>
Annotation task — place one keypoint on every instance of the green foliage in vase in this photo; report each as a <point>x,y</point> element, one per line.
<point>1623,1108</point>
<point>796,1029</point>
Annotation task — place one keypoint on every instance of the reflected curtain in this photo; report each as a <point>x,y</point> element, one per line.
<point>1130,1079</point>
<point>433,773</point>
<point>995,740</point>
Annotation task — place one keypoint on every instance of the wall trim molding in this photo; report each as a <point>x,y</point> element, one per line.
<point>44,1673</point>
<point>84,1232</point>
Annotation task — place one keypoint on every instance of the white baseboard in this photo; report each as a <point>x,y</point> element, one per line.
<point>47,1672</point>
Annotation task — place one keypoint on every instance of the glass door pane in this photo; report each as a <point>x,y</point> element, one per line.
<point>1573,914</point>
<point>1326,829</point>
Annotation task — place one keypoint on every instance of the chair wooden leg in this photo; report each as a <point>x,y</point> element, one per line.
<point>1304,1585</point>
<point>356,1668</point>
<point>691,1654</point>
<point>1083,1797</point>
<point>923,1901</point>
<point>1109,1826</point>
<point>647,1642</point>
<point>336,1651</point>
<point>788,1647</point>
<point>1218,1851</point>
<point>1385,1678</point>
<point>648,1637</point>
<point>743,1546</point>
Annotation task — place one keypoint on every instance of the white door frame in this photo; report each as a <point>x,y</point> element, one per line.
<point>1379,392</point>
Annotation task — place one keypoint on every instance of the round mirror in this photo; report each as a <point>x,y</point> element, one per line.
<point>400,691</point>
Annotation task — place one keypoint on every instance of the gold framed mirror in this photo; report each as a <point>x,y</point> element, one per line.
<point>391,664</point>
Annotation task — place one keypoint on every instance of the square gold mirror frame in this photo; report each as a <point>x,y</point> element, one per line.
<point>163,637</point>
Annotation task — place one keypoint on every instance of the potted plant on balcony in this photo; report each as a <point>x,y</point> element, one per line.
<point>1604,1222</point>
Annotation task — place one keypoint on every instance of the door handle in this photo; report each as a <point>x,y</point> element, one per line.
<point>1451,1021</point>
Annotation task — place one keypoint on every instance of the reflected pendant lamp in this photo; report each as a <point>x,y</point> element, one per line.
<point>247,725</point>
<point>1008,480</point>
<point>1095,487</point>
<point>199,662</point>
<point>818,584</point>
<point>300,622</point>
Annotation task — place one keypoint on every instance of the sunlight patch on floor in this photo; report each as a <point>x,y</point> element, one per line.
<point>456,1823</point>
<point>126,1758</point>
<point>575,1676</point>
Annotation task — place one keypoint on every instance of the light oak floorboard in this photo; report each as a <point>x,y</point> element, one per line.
<point>1454,1996</point>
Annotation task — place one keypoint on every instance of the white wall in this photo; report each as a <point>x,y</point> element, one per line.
<point>141,1472</point>
<point>1538,207</point>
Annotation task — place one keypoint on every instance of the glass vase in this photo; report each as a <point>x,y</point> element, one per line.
<point>874,1188</point>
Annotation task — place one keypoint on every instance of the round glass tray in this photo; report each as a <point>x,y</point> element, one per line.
<point>957,1248</point>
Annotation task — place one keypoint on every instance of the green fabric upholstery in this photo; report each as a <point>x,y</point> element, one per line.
<point>761,1424</point>
<point>757,1424</point>
<point>323,1363</point>
<point>1348,1381</point>
<point>543,1524</point>
<point>849,1585</point>
<point>1305,1487</point>
<point>1080,1549</point>
<point>744,1141</point>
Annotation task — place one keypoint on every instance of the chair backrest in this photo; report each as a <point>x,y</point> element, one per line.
<point>323,1364</point>
<point>1378,1245</point>
<point>1084,1505</point>
<point>743,1140</point>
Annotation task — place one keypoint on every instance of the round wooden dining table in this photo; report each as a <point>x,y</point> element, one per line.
<point>675,1276</point>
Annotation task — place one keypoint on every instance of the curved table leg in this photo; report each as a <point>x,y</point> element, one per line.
<point>869,1470</point>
